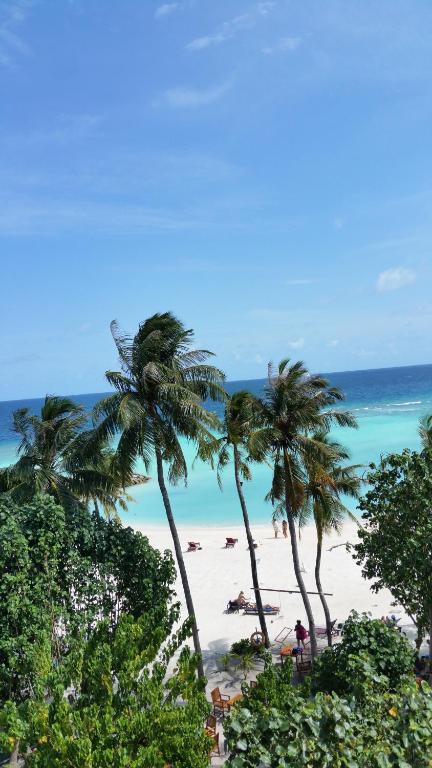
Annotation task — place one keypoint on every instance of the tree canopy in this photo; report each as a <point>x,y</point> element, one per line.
<point>395,548</point>
<point>159,397</point>
<point>62,571</point>
<point>57,456</point>
<point>111,702</point>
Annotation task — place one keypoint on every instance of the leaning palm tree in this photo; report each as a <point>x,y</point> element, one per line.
<point>52,458</point>
<point>326,481</point>
<point>295,404</point>
<point>159,398</point>
<point>425,432</point>
<point>241,418</point>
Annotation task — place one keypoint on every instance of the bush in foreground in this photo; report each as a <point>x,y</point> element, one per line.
<point>111,704</point>
<point>369,720</point>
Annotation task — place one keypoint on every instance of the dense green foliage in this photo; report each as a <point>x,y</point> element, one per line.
<point>367,720</point>
<point>365,642</point>
<point>60,572</point>
<point>122,710</point>
<point>395,548</point>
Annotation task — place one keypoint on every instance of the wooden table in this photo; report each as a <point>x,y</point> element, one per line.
<point>235,699</point>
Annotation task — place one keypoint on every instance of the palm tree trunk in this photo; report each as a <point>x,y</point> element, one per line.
<point>430,645</point>
<point>296,561</point>
<point>180,560</point>
<point>319,586</point>
<point>13,760</point>
<point>254,571</point>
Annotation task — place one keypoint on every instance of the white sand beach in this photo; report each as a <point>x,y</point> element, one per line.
<point>218,574</point>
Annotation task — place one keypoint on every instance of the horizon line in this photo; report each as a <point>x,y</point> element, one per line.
<point>233,381</point>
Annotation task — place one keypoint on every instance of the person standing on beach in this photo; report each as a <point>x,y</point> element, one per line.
<point>285,529</point>
<point>275,528</point>
<point>300,633</point>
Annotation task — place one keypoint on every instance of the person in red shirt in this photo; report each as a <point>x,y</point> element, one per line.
<point>301,633</point>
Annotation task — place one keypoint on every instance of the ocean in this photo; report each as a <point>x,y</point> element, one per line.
<point>387,402</point>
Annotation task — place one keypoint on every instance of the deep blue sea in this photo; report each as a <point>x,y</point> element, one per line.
<point>387,402</point>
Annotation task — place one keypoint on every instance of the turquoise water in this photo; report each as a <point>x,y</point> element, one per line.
<point>387,403</point>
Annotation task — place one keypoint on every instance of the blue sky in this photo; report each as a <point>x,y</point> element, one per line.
<point>263,169</point>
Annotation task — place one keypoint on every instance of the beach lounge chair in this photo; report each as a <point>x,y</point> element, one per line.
<point>193,546</point>
<point>281,637</point>
<point>269,610</point>
<point>230,542</point>
<point>220,701</point>
<point>322,631</point>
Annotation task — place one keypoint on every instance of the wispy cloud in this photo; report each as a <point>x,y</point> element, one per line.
<point>300,281</point>
<point>226,31</point>
<point>284,44</point>
<point>297,343</point>
<point>12,14</point>
<point>165,10</point>
<point>193,97</point>
<point>229,29</point>
<point>392,279</point>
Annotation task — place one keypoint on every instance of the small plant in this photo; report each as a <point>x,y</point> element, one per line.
<point>225,661</point>
<point>241,647</point>
<point>246,664</point>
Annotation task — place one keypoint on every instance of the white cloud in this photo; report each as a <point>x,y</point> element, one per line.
<point>192,97</point>
<point>206,41</point>
<point>297,343</point>
<point>165,10</point>
<point>258,359</point>
<point>300,281</point>
<point>333,343</point>
<point>231,28</point>
<point>265,7</point>
<point>284,44</point>
<point>392,279</point>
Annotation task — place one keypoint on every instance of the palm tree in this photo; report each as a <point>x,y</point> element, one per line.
<point>160,391</point>
<point>52,458</point>
<point>326,481</point>
<point>241,414</point>
<point>425,432</point>
<point>295,404</point>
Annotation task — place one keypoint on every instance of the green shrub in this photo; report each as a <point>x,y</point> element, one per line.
<point>367,642</point>
<point>360,709</point>
<point>241,647</point>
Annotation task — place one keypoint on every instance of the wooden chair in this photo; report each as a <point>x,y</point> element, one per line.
<point>220,701</point>
<point>303,667</point>
<point>211,724</point>
<point>215,748</point>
